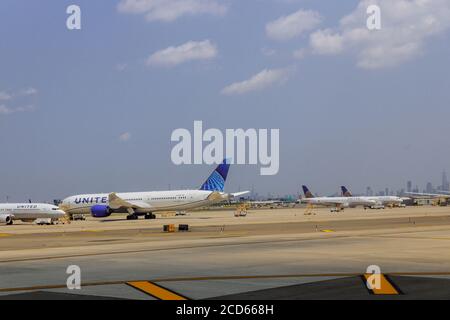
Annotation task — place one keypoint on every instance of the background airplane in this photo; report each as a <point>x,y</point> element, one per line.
<point>420,195</point>
<point>380,200</point>
<point>29,212</point>
<point>146,203</point>
<point>437,198</point>
<point>337,203</point>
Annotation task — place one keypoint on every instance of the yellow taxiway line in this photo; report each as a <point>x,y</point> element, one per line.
<point>156,291</point>
<point>385,285</point>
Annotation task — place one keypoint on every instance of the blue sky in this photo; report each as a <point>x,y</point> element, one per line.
<point>361,109</point>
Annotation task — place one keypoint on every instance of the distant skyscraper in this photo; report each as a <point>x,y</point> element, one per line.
<point>369,192</point>
<point>429,188</point>
<point>409,186</point>
<point>445,184</point>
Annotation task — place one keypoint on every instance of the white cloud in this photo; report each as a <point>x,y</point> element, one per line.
<point>170,10</point>
<point>262,80</point>
<point>4,110</point>
<point>121,66</point>
<point>5,96</point>
<point>192,50</point>
<point>406,25</point>
<point>326,42</point>
<point>23,92</point>
<point>29,91</point>
<point>293,25</point>
<point>124,137</point>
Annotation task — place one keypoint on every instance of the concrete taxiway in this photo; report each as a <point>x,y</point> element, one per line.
<point>270,253</point>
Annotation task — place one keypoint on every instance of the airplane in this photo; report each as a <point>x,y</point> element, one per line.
<point>146,203</point>
<point>337,203</point>
<point>29,212</point>
<point>438,198</point>
<point>261,203</point>
<point>428,195</point>
<point>381,201</point>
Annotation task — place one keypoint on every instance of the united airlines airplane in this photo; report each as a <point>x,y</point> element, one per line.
<point>380,200</point>
<point>423,195</point>
<point>337,203</point>
<point>146,203</point>
<point>29,212</point>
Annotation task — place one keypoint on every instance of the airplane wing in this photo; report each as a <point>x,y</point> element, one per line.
<point>238,194</point>
<point>217,196</point>
<point>116,202</point>
<point>336,203</point>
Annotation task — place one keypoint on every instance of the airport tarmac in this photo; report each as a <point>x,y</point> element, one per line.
<point>269,254</point>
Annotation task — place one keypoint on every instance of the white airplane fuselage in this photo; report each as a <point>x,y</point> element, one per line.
<point>340,201</point>
<point>385,200</point>
<point>174,200</point>
<point>29,212</point>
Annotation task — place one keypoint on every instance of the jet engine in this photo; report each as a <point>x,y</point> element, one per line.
<point>6,218</point>
<point>100,211</point>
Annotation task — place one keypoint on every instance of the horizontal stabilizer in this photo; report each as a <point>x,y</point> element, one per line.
<point>238,194</point>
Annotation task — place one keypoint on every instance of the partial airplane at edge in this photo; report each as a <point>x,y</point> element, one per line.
<point>337,203</point>
<point>146,203</point>
<point>420,195</point>
<point>29,212</point>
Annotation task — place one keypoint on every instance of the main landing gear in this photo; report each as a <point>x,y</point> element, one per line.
<point>131,214</point>
<point>134,216</point>
<point>149,216</point>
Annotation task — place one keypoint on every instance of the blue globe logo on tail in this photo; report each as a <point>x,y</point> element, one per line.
<point>216,181</point>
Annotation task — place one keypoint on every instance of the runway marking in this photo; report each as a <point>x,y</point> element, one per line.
<point>5,234</point>
<point>155,291</point>
<point>387,287</point>
<point>327,230</point>
<point>206,278</point>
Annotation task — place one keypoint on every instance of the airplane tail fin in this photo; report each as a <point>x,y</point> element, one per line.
<point>308,194</point>
<point>216,181</point>
<point>345,192</point>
